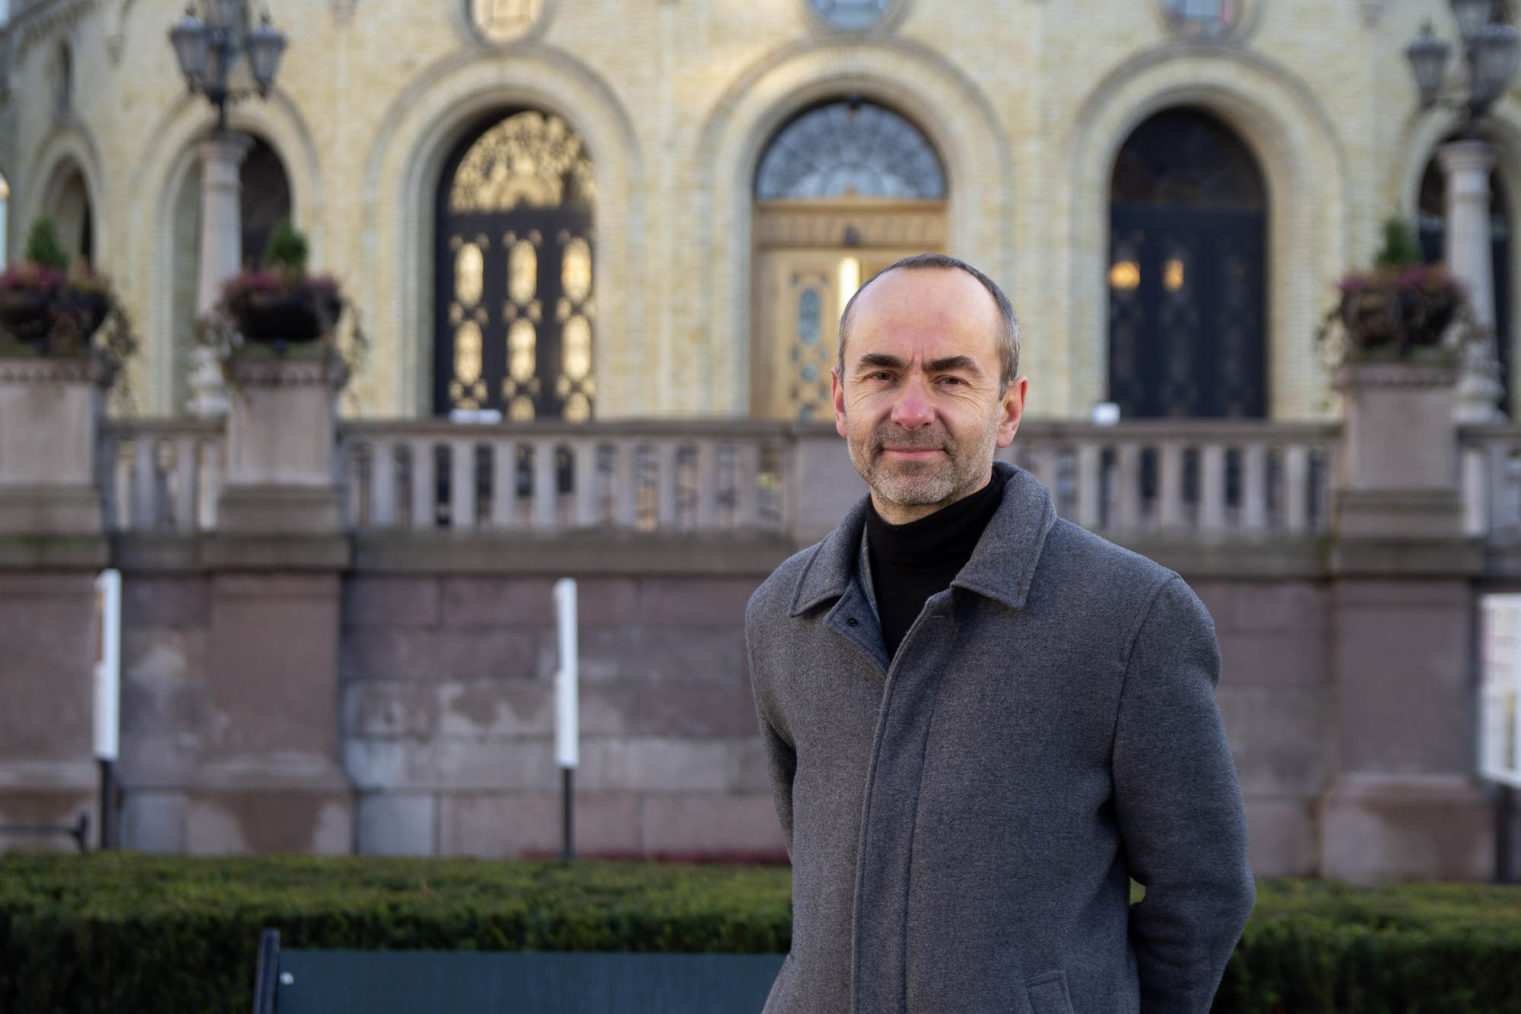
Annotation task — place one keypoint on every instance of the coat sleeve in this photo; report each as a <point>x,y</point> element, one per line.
<point>781,758</point>
<point>1179,808</point>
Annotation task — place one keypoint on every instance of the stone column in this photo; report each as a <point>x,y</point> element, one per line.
<point>51,548</point>
<point>1404,800</point>
<point>1466,250</point>
<point>221,255</point>
<point>273,778</point>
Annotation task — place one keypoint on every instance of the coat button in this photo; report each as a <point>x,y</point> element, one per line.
<point>852,621</point>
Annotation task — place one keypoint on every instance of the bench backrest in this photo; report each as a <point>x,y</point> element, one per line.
<point>509,982</point>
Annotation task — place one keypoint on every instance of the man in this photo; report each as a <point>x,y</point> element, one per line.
<point>981,720</point>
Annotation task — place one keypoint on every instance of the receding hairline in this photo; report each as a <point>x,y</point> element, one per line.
<point>1008,341</point>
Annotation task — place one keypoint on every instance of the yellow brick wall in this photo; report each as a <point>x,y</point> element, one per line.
<point>1026,100</point>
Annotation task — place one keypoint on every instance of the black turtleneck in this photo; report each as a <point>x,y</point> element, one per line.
<point>911,562</point>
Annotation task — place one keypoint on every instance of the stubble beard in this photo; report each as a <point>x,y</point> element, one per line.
<point>940,480</point>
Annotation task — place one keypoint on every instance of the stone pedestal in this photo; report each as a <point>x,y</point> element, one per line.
<point>50,410</point>
<point>51,546</point>
<point>280,439</point>
<point>272,779</point>
<point>1402,654</point>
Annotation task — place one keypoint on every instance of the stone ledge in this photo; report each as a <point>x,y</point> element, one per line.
<point>573,554</point>
<point>1407,558</point>
<point>1267,557</point>
<point>54,552</point>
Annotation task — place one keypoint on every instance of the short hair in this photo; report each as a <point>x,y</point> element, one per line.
<point>1008,346</point>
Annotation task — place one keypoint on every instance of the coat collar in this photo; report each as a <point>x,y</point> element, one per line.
<point>1001,568</point>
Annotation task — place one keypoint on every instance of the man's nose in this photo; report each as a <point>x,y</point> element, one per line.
<point>913,407</point>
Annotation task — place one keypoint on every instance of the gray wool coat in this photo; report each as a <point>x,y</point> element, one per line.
<point>963,823</point>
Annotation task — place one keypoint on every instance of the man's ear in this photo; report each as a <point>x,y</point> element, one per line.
<point>837,393</point>
<point>1011,411</point>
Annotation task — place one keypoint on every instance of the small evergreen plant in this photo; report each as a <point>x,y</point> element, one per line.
<point>1400,249</point>
<point>44,247</point>
<point>286,249</point>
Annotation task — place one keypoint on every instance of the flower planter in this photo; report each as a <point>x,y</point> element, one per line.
<point>27,314</point>
<point>278,317</point>
<point>1397,316</point>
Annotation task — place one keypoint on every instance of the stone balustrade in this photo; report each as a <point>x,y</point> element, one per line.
<point>1190,478</point>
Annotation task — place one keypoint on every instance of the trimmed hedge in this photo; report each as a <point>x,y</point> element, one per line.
<point>114,932</point>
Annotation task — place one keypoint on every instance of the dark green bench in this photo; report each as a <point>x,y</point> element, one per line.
<point>507,982</point>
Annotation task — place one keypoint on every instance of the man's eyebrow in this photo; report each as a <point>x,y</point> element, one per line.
<point>878,360</point>
<point>950,363</point>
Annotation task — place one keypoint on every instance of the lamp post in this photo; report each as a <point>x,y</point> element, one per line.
<point>211,53</point>
<point>1489,54</point>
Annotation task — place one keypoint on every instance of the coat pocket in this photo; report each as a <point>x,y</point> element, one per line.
<point>1048,994</point>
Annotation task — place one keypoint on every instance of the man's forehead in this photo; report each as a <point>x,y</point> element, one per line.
<point>941,302</point>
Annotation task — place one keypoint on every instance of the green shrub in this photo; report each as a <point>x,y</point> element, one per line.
<point>286,249</point>
<point>44,246</point>
<point>124,932</point>
<point>1400,249</point>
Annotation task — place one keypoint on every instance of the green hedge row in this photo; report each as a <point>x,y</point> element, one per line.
<point>124,932</point>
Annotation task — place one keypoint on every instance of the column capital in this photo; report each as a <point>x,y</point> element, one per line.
<point>1470,155</point>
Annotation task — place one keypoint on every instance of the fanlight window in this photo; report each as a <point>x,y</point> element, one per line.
<point>850,149</point>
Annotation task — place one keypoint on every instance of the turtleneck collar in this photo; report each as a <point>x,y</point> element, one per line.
<point>933,542</point>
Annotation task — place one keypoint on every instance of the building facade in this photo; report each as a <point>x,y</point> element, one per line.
<point>634,208</point>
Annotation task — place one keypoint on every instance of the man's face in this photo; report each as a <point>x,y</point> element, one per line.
<point>918,401</point>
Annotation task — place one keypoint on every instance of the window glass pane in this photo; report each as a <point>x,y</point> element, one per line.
<point>1206,19</point>
<point>850,149</point>
<point>851,13</point>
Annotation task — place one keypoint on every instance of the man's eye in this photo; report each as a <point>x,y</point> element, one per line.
<point>952,380</point>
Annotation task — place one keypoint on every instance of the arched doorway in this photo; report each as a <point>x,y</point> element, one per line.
<point>841,191</point>
<point>514,305</point>
<point>264,198</point>
<point>70,208</point>
<point>1187,328</point>
<point>1431,228</point>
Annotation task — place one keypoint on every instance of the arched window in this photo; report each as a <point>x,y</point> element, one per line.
<point>514,299</point>
<point>1433,233</point>
<point>70,206</point>
<point>1186,290</point>
<point>841,191</point>
<point>263,199</point>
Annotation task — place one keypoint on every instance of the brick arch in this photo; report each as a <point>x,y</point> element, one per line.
<point>1297,148</point>
<point>951,110</point>
<point>401,177</point>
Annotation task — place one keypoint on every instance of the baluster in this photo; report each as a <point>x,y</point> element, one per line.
<point>422,484</point>
<point>121,484</point>
<point>503,481</point>
<point>1170,486</point>
<point>747,485</point>
<point>382,484</point>
<point>585,451</point>
<point>1296,485</point>
<point>1503,500</point>
<point>1475,492</point>
<point>144,510</point>
<point>212,450</point>
<point>1090,458</point>
<point>665,484</point>
<point>545,484</point>
<point>1212,487</point>
<point>1043,464</point>
<point>1127,481</point>
<point>707,483</point>
<point>1254,487</point>
<point>625,483</point>
<point>462,484</point>
<point>184,483</point>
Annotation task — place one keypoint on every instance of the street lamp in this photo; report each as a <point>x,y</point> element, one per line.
<point>1489,52</point>
<point>208,52</point>
<point>211,52</point>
